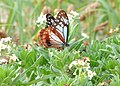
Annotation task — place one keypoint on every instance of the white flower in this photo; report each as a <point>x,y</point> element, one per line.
<point>9,48</point>
<point>83,63</point>
<point>13,57</point>
<point>41,19</point>
<point>79,62</point>
<point>111,31</point>
<point>14,45</point>
<point>51,54</point>
<point>74,13</point>
<point>2,46</point>
<point>27,46</point>
<point>19,62</point>
<point>73,63</point>
<point>3,60</point>
<point>8,39</point>
<point>87,66</point>
<point>91,74</point>
<point>70,17</point>
<point>85,35</point>
<point>2,40</point>
<point>76,52</point>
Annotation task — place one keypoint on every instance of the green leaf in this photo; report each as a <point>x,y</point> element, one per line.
<point>76,45</point>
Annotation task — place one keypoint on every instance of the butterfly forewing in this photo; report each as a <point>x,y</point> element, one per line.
<point>62,24</point>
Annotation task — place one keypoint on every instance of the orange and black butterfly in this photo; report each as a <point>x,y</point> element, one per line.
<point>55,34</point>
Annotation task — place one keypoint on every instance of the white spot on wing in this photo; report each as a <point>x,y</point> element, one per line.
<point>65,20</point>
<point>60,23</point>
<point>57,20</point>
<point>58,16</point>
<point>52,20</point>
<point>55,24</point>
<point>61,19</point>
<point>65,33</point>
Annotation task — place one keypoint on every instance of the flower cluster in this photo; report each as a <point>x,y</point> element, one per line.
<point>13,58</point>
<point>83,66</point>
<point>72,15</point>
<point>6,50</point>
<point>4,44</point>
<point>41,19</point>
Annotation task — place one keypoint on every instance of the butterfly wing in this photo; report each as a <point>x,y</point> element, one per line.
<point>60,23</point>
<point>51,38</point>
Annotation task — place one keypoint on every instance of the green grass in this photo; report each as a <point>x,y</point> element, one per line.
<point>39,66</point>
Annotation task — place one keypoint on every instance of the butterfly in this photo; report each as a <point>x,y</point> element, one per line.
<point>55,34</point>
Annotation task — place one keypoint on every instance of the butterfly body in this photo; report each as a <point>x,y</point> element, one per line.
<point>55,34</point>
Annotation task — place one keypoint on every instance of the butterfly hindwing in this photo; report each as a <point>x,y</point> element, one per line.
<point>51,38</point>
